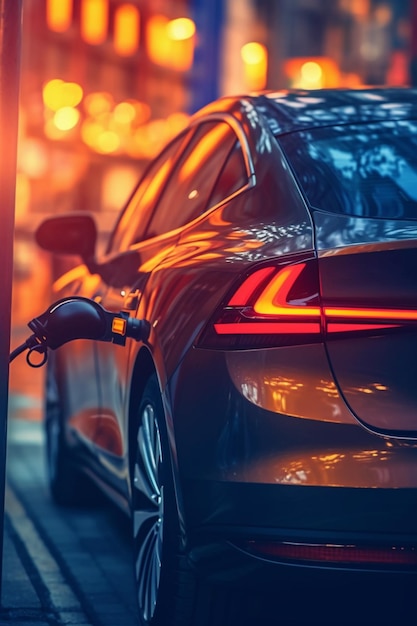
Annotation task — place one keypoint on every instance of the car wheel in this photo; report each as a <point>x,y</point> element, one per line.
<point>63,476</point>
<point>165,585</point>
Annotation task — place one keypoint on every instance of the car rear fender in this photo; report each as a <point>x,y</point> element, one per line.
<point>142,370</point>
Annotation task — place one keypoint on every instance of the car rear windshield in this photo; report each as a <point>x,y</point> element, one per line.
<point>368,170</point>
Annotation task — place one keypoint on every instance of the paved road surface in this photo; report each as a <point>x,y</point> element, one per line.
<point>80,557</point>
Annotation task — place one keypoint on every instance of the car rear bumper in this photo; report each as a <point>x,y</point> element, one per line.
<point>273,592</point>
<point>336,513</point>
<point>235,527</point>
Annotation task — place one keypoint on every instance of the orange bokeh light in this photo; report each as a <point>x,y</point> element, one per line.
<point>312,72</point>
<point>57,93</point>
<point>59,15</point>
<point>255,62</point>
<point>66,118</point>
<point>180,29</point>
<point>126,29</point>
<point>170,43</point>
<point>94,21</point>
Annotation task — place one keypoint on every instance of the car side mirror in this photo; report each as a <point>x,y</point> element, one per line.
<point>75,233</point>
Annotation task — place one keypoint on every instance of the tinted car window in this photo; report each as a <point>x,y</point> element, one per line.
<point>232,177</point>
<point>367,170</point>
<point>187,192</point>
<point>133,221</point>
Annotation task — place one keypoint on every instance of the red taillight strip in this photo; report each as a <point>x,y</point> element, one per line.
<point>243,294</point>
<point>328,553</point>
<point>371,314</point>
<point>281,316</point>
<point>255,328</point>
<point>273,300</point>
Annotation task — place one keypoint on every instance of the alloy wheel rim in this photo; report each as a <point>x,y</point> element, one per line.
<point>148,511</point>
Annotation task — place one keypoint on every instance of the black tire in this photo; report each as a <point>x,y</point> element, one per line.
<point>166,586</point>
<point>66,485</point>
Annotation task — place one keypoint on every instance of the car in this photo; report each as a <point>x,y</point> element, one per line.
<point>264,435</point>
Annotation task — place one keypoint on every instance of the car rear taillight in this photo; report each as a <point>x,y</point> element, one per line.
<point>272,306</point>
<point>281,305</point>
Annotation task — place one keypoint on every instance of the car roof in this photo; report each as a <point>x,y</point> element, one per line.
<point>295,110</point>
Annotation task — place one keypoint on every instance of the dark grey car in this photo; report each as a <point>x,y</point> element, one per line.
<point>266,432</point>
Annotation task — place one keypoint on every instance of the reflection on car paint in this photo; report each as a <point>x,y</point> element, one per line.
<point>371,468</point>
<point>285,381</point>
<point>310,115</point>
<point>336,231</point>
<point>94,425</point>
<point>263,143</point>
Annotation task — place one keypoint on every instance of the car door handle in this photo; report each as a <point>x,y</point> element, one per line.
<point>131,300</point>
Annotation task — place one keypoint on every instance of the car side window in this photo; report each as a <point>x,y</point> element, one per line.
<point>133,221</point>
<point>232,178</point>
<point>189,189</point>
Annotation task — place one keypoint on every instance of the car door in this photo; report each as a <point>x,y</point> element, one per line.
<point>118,271</point>
<point>145,240</point>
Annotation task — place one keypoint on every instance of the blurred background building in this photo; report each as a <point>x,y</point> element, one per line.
<point>106,83</point>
